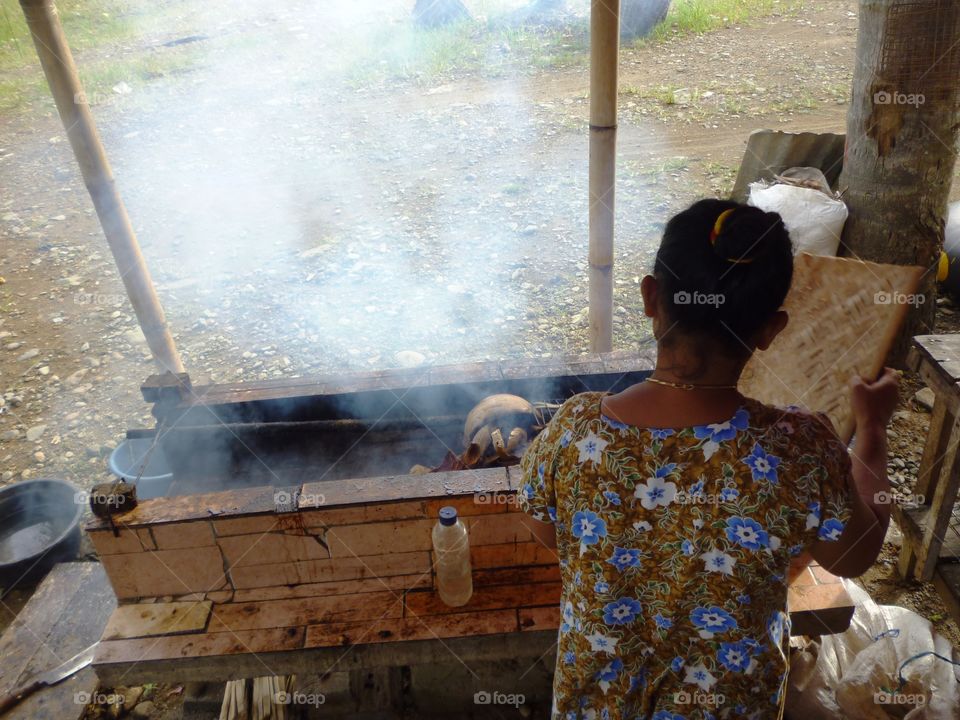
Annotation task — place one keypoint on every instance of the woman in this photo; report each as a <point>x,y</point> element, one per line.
<point>678,505</point>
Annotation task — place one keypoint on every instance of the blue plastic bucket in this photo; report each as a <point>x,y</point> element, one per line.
<point>125,462</point>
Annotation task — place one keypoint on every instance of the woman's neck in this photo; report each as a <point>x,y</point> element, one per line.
<point>716,370</point>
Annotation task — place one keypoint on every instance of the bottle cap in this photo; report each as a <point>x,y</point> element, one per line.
<point>448,515</point>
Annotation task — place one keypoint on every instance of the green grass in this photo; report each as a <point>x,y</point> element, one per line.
<point>656,169</point>
<point>701,16</point>
<point>395,51</point>
<point>89,25</point>
<point>664,94</point>
<point>720,178</point>
<point>468,48</point>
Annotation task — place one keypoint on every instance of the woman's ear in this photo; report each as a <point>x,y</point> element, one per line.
<point>649,287</point>
<point>774,327</point>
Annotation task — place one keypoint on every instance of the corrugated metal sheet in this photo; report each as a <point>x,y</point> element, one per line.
<point>770,152</point>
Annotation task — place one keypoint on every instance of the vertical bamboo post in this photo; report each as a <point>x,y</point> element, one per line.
<point>57,62</point>
<point>604,57</point>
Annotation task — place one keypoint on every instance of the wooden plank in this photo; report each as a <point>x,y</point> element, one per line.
<point>515,576</point>
<point>199,645</point>
<point>340,384</point>
<point>942,352</point>
<point>456,375</point>
<point>821,609</point>
<point>258,504</point>
<point>942,426</point>
<point>349,541</point>
<point>297,612</point>
<point>270,547</point>
<point>506,528</point>
<point>512,555</point>
<point>937,477</point>
<point>359,491</point>
<point>23,638</point>
<point>941,507</point>
<point>177,536</point>
<point>230,503</point>
<point>398,379</point>
<point>124,540</point>
<point>941,387</point>
<point>316,571</point>
<point>481,503</point>
<point>166,572</point>
<point>166,664</point>
<point>470,624</point>
<point>323,516</point>
<point>150,620</point>
<point>428,603</point>
<point>942,423</point>
<point>66,615</point>
<point>823,621</point>
<point>264,522</point>
<point>539,618</point>
<point>913,520</point>
<point>327,589</point>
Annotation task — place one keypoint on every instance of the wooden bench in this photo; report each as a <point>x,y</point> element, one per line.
<point>65,615</point>
<point>930,521</point>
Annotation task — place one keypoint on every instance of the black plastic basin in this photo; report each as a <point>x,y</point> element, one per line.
<point>39,527</point>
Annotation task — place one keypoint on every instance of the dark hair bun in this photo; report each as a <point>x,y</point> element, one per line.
<point>724,285</point>
<point>745,232</point>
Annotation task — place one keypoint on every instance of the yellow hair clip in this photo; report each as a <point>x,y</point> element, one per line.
<point>717,227</point>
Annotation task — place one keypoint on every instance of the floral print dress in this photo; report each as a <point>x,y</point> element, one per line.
<point>674,548</point>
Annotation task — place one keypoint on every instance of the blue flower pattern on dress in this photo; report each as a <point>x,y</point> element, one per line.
<point>612,497</point>
<point>621,612</point>
<point>657,583</point>
<point>713,619</point>
<point>747,532</point>
<point>721,432</point>
<point>588,527</point>
<point>624,558</point>
<point>764,466</point>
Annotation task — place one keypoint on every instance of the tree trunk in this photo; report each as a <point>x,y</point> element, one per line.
<point>901,141</point>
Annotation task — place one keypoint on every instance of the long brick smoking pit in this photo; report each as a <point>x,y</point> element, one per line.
<point>297,560</point>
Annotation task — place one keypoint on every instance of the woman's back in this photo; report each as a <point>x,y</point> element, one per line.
<point>674,548</point>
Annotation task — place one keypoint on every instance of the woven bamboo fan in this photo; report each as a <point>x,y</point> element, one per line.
<point>844,317</point>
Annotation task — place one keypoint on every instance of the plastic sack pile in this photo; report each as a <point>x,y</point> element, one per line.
<point>813,215</point>
<point>854,675</point>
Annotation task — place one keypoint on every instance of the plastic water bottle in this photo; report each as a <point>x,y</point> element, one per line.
<point>452,549</point>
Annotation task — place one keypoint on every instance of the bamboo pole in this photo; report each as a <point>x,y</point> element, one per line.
<point>604,56</point>
<point>57,62</point>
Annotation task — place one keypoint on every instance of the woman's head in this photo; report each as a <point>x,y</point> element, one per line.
<point>721,275</point>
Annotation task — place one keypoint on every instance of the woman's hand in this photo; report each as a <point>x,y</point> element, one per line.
<point>873,403</point>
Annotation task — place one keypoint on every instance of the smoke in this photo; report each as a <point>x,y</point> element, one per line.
<point>298,204</point>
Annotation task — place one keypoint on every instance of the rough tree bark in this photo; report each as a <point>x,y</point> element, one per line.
<point>901,140</point>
